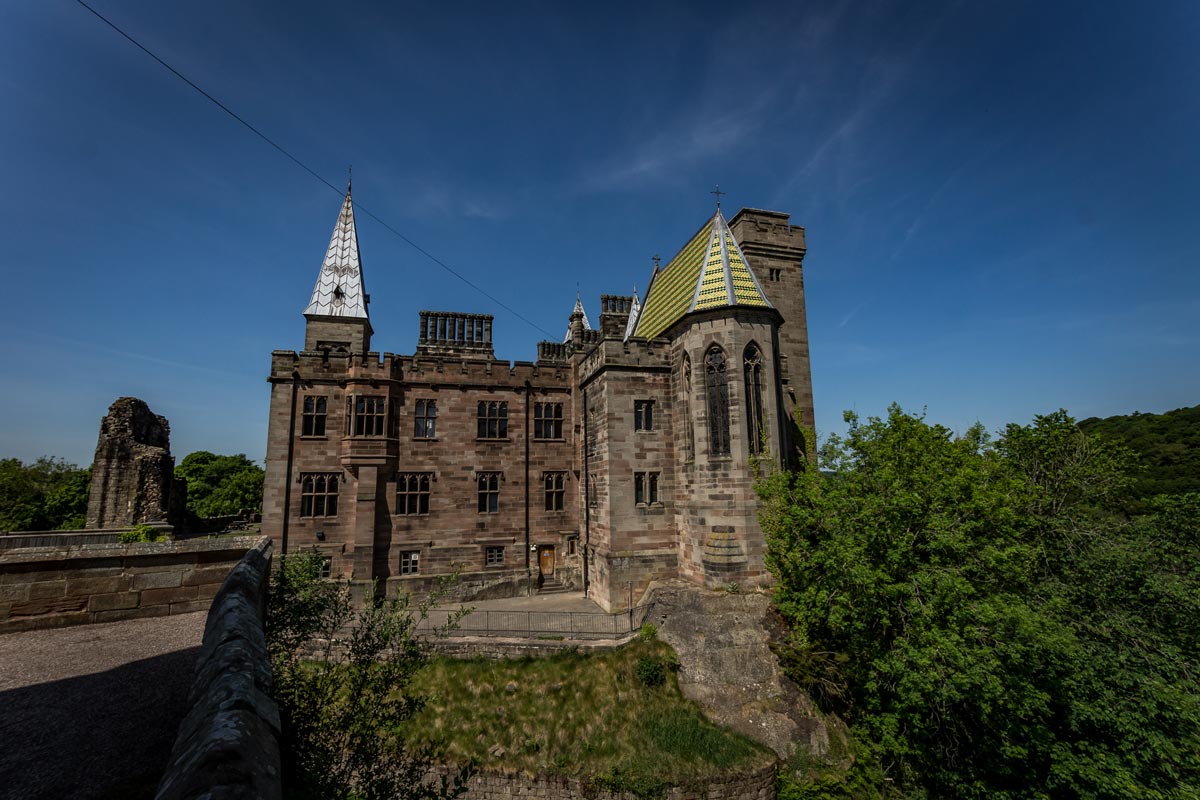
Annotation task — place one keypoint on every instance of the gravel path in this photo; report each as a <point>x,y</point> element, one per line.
<point>90,711</point>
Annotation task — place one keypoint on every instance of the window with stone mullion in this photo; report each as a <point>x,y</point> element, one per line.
<point>717,395</point>
<point>754,403</point>
<point>425,424</point>
<point>493,419</point>
<point>547,420</point>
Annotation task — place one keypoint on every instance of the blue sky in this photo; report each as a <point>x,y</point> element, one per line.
<point>1001,199</point>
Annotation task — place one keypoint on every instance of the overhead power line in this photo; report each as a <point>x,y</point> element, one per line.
<point>310,170</point>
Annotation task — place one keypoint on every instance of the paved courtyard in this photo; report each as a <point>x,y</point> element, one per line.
<point>560,615</point>
<point>90,712</point>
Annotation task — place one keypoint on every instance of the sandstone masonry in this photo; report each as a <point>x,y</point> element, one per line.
<point>622,455</point>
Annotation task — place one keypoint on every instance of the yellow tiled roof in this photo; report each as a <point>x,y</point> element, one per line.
<point>709,272</point>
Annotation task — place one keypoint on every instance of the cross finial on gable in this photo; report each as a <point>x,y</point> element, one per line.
<point>717,191</point>
<point>656,258</point>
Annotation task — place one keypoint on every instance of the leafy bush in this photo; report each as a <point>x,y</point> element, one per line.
<point>648,632</point>
<point>342,712</point>
<point>650,671</point>
<point>140,533</point>
<point>983,615</point>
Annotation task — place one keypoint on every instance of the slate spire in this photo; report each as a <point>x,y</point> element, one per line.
<point>340,291</point>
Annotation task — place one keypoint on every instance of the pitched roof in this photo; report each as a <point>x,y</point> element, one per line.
<point>709,272</point>
<point>340,291</point>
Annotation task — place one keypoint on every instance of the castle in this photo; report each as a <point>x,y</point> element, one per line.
<point>623,454</point>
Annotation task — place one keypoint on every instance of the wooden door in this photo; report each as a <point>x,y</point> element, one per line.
<point>546,561</point>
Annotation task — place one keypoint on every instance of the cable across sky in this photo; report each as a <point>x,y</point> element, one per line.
<point>311,171</point>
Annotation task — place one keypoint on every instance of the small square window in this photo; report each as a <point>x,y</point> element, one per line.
<point>643,415</point>
<point>572,545</point>
<point>410,562</point>
<point>326,566</point>
<point>494,556</point>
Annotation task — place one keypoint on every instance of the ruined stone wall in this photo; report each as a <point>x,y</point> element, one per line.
<point>47,587</point>
<point>228,744</point>
<point>133,468</point>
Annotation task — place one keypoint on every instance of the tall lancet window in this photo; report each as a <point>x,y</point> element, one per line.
<point>690,452</point>
<point>752,364</point>
<point>717,392</point>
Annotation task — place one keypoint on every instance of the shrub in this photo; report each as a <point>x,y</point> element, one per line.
<point>342,712</point>
<point>648,631</point>
<point>140,533</point>
<point>651,671</point>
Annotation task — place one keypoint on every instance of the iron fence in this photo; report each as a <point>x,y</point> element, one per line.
<point>551,625</point>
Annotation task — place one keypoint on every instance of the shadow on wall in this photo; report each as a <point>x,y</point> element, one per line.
<point>95,737</point>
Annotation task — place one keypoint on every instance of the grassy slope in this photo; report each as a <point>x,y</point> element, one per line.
<point>571,714</point>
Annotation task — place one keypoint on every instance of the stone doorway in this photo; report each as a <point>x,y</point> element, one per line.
<point>546,562</point>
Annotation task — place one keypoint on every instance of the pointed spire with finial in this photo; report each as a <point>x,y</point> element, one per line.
<point>577,313</point>
<point>340,290</point>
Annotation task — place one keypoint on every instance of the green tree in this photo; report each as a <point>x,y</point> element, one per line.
<point>45,495</point>
<point>343,682</point>
<point>967,608</point>
<point>220,485</point>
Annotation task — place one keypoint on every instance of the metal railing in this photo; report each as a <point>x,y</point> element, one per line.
<point>550,625</point>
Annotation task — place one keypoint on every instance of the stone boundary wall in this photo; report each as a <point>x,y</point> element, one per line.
<point>48,587</point>
<point>16,540</point>
<point>757,785</point>
<point>498,647</point>
<point>228,744</point>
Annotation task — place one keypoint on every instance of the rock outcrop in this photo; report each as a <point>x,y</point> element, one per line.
<point>727,666</point>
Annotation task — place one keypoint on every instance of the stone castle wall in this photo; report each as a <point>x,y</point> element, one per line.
<point>48,587</point>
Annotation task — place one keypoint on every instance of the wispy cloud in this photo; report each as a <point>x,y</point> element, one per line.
<point>701,136</point>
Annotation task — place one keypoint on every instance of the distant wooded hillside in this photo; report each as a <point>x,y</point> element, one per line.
<point>1168,445</point>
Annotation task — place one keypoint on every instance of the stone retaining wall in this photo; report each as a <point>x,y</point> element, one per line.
<point>758,785</point>
<point>46,587</point>
<point>228,744</point>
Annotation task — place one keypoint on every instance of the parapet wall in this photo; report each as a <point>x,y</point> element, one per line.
<point>48,587</point>
<point>228,744</point>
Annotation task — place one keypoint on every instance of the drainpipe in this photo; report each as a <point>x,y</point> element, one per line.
<point>587,496</point>
<point>528,573</point>
<point>287,486</point>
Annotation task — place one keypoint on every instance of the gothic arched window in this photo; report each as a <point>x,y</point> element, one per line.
<point>690,444</point>
<point>752,364</point>
<point>716,389</point>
